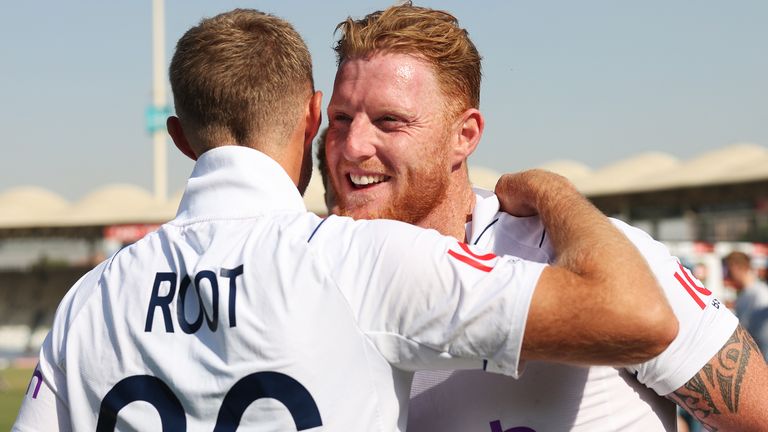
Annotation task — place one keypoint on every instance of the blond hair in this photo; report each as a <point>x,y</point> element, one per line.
<point>243,75</point>
<point>431,35</point>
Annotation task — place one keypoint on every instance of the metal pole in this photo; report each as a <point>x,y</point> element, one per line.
<point>158,98</point>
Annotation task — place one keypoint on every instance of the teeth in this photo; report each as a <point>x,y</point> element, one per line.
<point>365,180</point>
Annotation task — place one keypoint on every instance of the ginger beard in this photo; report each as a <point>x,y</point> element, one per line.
<point>390,140</point>
<point>418,191</point>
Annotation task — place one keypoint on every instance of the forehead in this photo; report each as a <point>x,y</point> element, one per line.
<point>388,75</point>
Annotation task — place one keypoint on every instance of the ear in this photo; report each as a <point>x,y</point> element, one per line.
<point>179,138</point>
<point>469,132</point>
<point>314,118</point>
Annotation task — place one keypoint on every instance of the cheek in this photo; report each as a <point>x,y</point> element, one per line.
<point>429,155</point>
<point>332,155</point>
<point>402,155</point>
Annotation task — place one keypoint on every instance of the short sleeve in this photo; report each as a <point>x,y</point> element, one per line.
<point>705,324</point>
<point>428,301</point>
<point>43,406</point>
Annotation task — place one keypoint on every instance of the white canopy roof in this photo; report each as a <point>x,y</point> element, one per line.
<point>29,206</point>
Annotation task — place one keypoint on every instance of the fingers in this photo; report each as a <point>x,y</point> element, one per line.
<point>514,195</point>
<point>524,193</point>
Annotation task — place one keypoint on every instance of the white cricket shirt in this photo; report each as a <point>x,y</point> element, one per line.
<point>555,397</point>
<point>247,311</point>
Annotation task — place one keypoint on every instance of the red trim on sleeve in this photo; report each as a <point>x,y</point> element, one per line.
<point>701,289</point>
<point>469,261</point>
<point>485,257</point>
<point>690,290</point>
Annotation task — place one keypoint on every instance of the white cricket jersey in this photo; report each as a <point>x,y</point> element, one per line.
<point>246,310</point>
<point>555,397</point>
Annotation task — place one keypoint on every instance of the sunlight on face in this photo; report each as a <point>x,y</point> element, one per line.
<point>387,142</point>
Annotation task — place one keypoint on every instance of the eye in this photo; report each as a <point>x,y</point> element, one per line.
<point>389,122</point>
<point>389,119</point>
<point>341,118</point>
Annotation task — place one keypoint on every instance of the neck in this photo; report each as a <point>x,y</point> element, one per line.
<point>451,215</point>
<point>749,279</point>
<point>291,155</point>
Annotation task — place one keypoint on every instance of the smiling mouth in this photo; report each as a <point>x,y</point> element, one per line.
<point>365,181</point>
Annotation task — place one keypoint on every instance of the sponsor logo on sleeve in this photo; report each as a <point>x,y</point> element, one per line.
<point>481,262</point>
<point>37,379</point>
<point>694,287</point>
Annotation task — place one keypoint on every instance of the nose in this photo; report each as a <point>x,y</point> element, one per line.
<point>359,143</point>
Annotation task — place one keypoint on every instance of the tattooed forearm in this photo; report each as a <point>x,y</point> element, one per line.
<point>716,389</point>
<point>733,359</point>
<point>695,397</point>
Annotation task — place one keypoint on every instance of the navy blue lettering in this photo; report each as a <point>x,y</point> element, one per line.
<point>232,274</point>
<point>274,385</point>
<point>496,427</point>
<point>195,304</point>
<point>163,303</point>
<point>213,321</point>
<point>186,326</point>
<point>142,388</point>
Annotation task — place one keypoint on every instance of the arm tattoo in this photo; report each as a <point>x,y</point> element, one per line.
<point>717,386</point>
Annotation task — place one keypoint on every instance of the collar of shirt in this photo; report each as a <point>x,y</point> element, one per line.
<point>485,211</point>
<point>520,236</point>
<point>235,181</point>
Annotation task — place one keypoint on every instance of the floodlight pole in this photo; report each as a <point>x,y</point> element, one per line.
<point>156,124</point>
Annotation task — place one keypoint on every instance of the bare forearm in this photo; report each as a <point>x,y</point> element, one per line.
<point>601,303</point>
<point>730,393</point>
<point>582,236</point>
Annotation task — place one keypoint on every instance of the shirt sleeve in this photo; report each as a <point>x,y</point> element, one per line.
<point>45,406</point>
<point>430,302</point>
<point>705,324</point>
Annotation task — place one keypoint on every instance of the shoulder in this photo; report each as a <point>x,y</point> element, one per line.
<point>761,294</point>
<point>648,246</point>
<point>344,230</point>
<point>80,295</point>
<point>636,235</point>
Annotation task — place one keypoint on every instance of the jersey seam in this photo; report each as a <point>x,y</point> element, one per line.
<point>416,341</point>
<point>193,221</point>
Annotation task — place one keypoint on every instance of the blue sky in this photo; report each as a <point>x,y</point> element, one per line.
<point>591,81</point>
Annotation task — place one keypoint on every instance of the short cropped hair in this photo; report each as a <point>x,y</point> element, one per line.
<point>429,34</point>
<point>738,259</point>
<point>243,75</point>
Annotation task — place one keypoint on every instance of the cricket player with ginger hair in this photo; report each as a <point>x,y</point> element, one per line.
<point>403,119</point>
<point>247,311</point>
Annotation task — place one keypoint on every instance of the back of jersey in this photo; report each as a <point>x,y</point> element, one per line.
<point>217,325</point>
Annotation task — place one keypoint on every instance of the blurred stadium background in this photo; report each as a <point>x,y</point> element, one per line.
<point>702,208</point>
